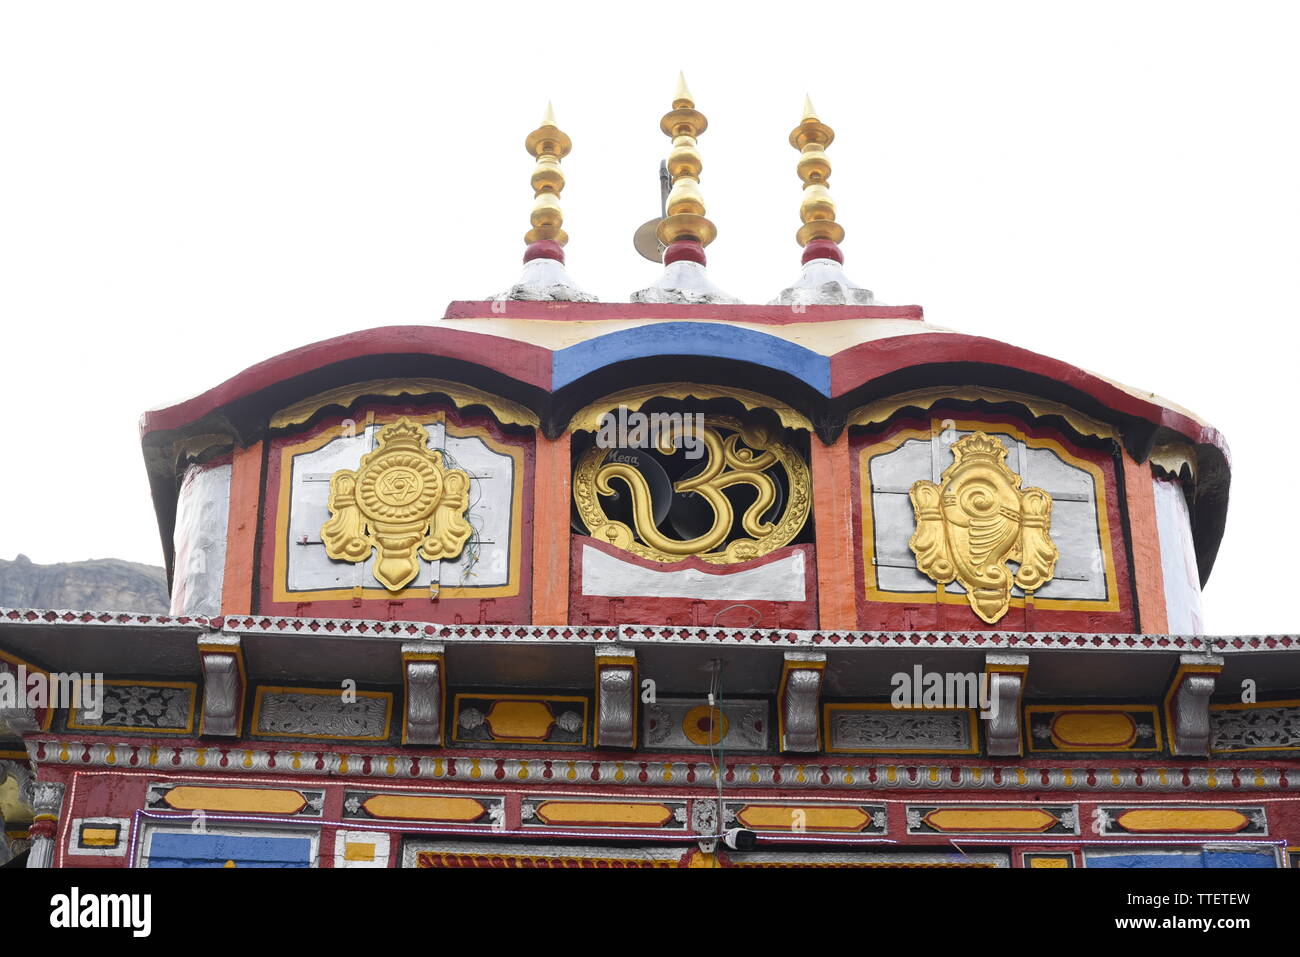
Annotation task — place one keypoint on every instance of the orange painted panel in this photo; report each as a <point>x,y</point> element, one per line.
<point>604,814</point>
<point>990,819</point>
<point>551,514</point>
<point>1093,729</point>
<point>833,520</point>
<point>527,720</point>
<point>421,808</point>
<point>241,535</point>
<point>786,817</point>
<point>246,800</point>
<point>1182,821</point>
<point>1145,535</point>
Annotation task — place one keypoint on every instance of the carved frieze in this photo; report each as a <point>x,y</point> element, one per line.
<point>130,706</point>
<point>1257,728</point>
<point>883,729</point>
<point>322,713</point>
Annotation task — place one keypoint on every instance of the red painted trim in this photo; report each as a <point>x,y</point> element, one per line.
<point>519,360</point>
<point>531,364</point>
<point>544,249</point>
<point>871,360</point>
<point>822,249</point>
<point>685,251</point>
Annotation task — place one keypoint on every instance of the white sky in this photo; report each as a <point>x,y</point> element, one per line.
<point>188,188</point>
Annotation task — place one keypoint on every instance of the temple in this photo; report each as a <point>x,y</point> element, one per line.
<point>671,582</point>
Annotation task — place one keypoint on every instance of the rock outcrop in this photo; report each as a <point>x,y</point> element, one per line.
<point>104,584</point>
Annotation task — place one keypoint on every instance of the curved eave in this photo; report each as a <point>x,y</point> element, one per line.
<point>824,360</point>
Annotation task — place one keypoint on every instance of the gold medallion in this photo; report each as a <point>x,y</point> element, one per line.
<point>401,500</point>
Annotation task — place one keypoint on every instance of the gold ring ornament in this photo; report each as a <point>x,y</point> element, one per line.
<point>401,500</point>
<point>734,454</point>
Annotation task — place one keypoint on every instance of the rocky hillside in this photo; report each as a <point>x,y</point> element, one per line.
<point>104,584</point>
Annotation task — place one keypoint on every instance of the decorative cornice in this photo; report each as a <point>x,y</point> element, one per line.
<point>51,751</point>
<point>588,418</point>
<point>462,396</point>
<point>659,634</point>
<point>881,410</point>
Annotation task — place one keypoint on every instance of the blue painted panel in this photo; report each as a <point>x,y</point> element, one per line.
<point>1192,858</point>
<point>1239,859</point>
<point>168,849</point>
<point>692,339</point>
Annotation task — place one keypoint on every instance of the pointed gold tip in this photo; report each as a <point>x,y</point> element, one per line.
<point>549,118</point>
<point>683,94</point>
<point>809,113</point>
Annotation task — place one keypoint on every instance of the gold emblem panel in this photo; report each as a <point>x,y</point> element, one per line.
<point>735,454</point>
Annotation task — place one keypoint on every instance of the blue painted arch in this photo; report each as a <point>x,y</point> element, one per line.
<point>692,339</point>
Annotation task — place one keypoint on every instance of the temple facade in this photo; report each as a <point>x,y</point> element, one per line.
<point>676,581</point>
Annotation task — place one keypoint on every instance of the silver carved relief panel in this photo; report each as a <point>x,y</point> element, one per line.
<point>896,730</point>
<point>1253,729</point>
<point>144,706</point>
<point>742,724</point>
<point>323,714</point>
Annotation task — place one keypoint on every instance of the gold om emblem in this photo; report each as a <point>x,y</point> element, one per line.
<point>734,455</point>
<point>401,500</point>
<point>979,519</point>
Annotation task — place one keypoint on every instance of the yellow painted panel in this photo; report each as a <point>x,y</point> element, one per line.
<point>1182,820</point>
<point>990,819</point>
<point>190,797</point>
<point>100,837</point>
<point>604,812</point>
<point>417,808</point>
<point>703,860</point>
<point>1097,729</point>
<point>788,817</point>
<point>1049,862</point>
<point>359,851</point>
<point>530,720</point>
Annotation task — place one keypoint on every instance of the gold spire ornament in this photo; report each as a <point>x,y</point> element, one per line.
<point>811,137</point>
<point>400,500</point>
<point>685,220</point>
<point>548,144</point>
<point>979,519</point>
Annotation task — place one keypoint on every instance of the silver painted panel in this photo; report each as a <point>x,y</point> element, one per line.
<point>1178,559</point>
<point>485,561</point>
<point>202,514</point>
<point>1080,571</point>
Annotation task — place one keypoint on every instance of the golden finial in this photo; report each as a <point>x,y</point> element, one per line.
<point>549,145</point>
<point>685,220</point>
<point>811,137</point>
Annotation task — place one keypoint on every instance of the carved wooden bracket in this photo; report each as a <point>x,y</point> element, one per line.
<point>424,675</point>
<point>616,697</point>
<point>799,701</point>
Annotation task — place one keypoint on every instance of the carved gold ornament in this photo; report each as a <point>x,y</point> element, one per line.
<point>979,519</point>
<point>734,454</point>
<point>400,500</point>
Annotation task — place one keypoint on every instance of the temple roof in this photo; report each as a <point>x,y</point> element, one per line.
<point>827,366</point>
